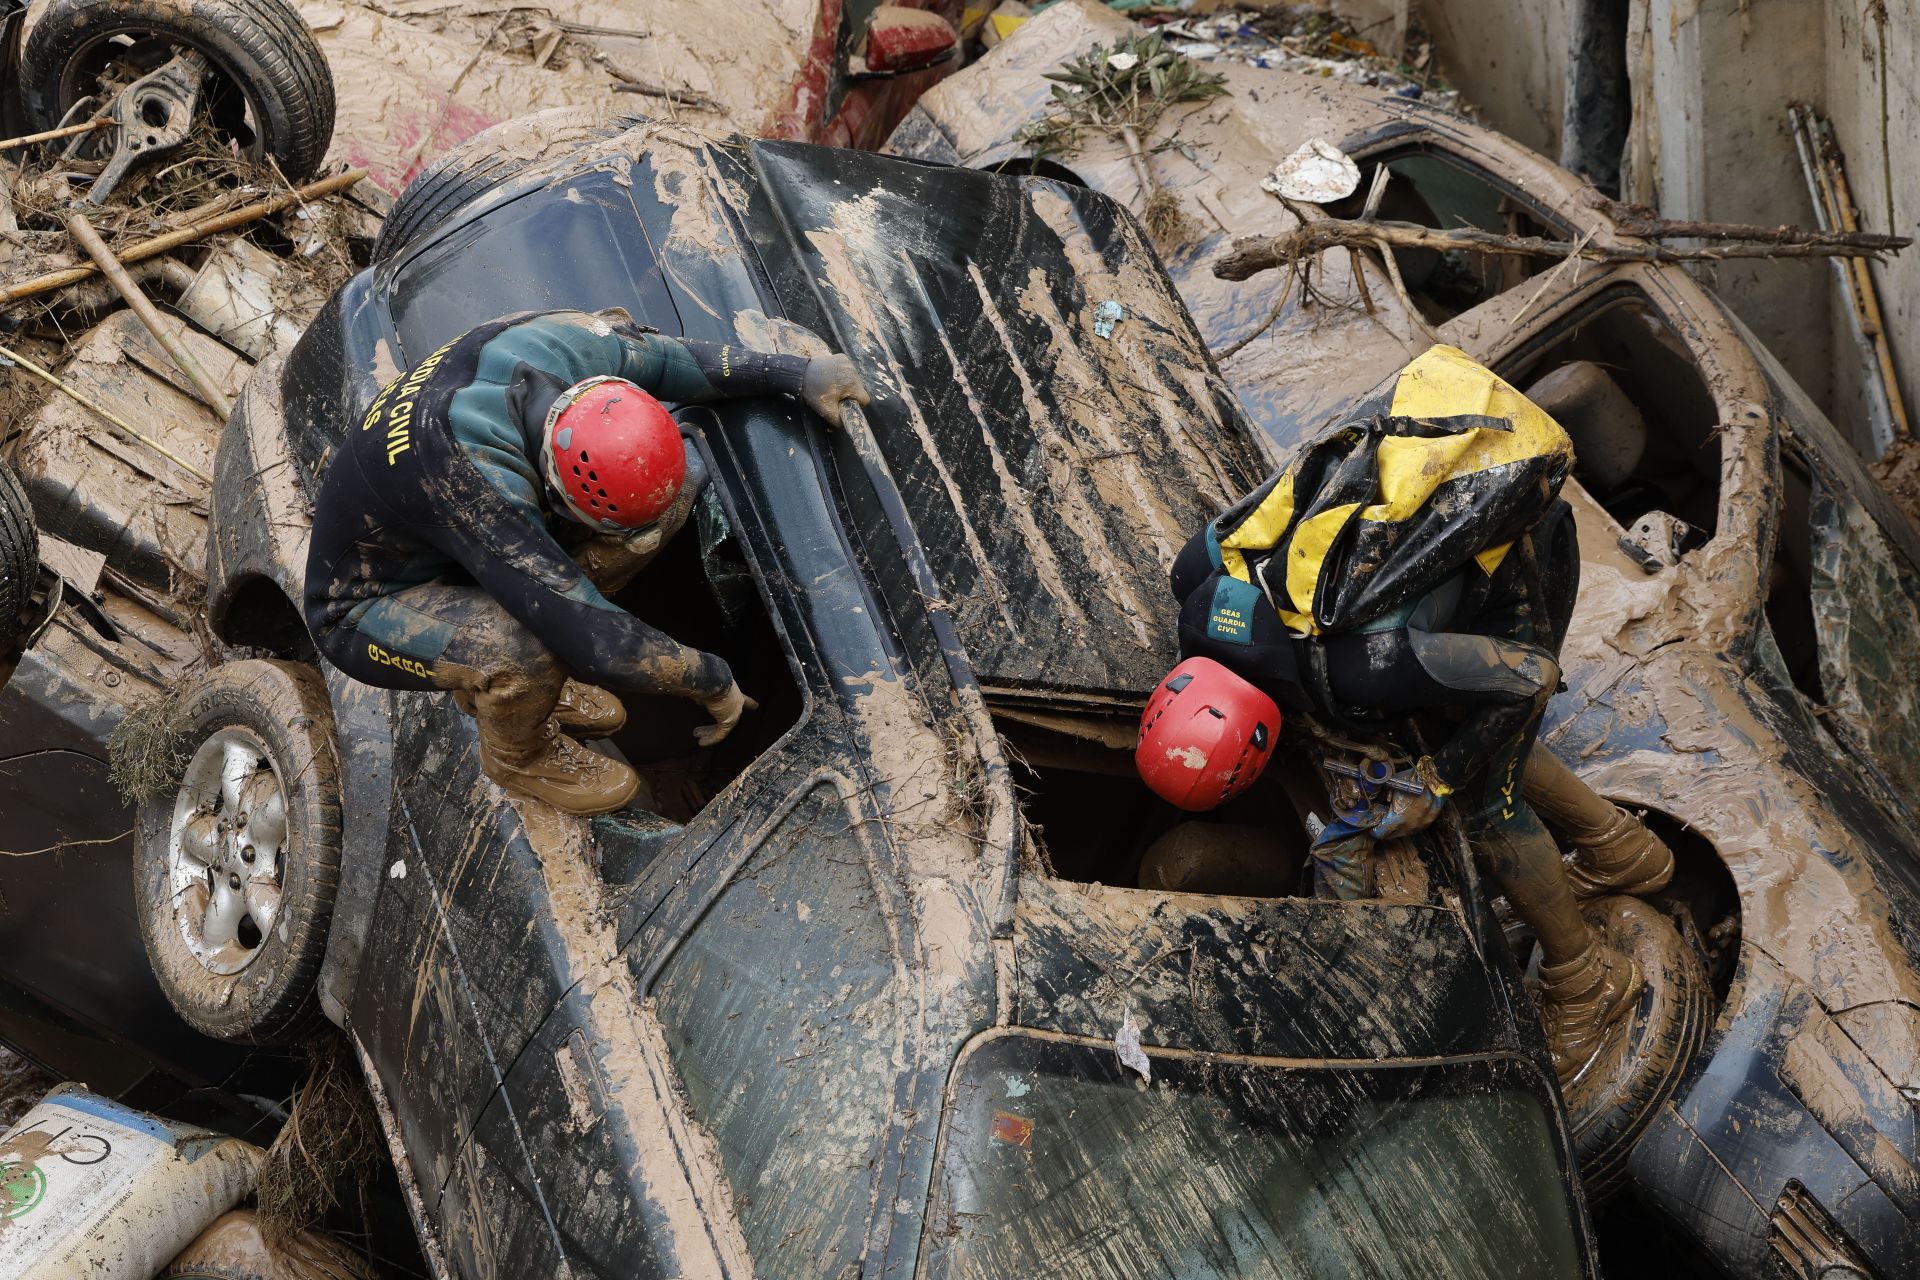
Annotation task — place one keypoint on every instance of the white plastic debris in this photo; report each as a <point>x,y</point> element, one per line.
<point>96,1190</point>
<point>1106,316</point>
<point>398,871</point>
<point>1123,61</point>
<point>1318,172</point>
<point>1126,1043</point>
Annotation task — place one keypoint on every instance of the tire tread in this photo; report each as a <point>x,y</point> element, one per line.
<point>264,42</point>
<point>481,163</point>
<point>19,556</point>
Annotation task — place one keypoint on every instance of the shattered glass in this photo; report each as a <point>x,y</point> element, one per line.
<point>1869,631</point>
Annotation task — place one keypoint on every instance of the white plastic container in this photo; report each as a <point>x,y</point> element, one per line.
<point>92,1190</point>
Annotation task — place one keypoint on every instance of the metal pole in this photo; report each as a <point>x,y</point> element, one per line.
<point>1878,396</point>
<point>82,230</point>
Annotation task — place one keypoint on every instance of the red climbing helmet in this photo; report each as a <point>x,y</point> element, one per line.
<point>1205,736</point>
<point>613,454</point>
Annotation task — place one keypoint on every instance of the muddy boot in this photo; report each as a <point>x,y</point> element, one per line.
<point>588,711</point>
<point>584,710</point>
<point>523,750</point>
<point>551,767</point>
<point>1585,1003</point>
<point>1623,857</point>
<point>1613,851</point>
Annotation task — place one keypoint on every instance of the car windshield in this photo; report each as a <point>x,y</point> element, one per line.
<point>1061,1162</point>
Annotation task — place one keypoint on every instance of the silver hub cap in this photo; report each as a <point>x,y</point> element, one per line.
<point>224,851</point>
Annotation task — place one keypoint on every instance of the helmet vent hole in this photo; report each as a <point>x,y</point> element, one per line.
<point>603,493</point>
<point>613,506</point>
<point>594,476</point>
<point>583,456</point>
<point>576,471</point>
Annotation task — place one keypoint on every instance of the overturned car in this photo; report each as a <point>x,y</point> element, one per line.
<point>1739,658</point>
<point>871,985</point>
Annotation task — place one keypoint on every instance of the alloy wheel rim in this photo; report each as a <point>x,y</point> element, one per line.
<point>226,851</point>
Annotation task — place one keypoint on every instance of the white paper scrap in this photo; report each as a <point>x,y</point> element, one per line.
<point>1318,172</point>
<point>1126,1043</point>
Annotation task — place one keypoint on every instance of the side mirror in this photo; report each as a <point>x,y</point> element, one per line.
<point>899,40</point>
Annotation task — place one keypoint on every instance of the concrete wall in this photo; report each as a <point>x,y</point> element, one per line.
<point>1711,84</point>
<point>1510,58</point>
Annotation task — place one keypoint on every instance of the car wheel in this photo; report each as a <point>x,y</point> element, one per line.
<point>484,161</point>
<point>19,557</point>
<point>1669,1026</point>
<point>270,89</point>
<point>235,870</point>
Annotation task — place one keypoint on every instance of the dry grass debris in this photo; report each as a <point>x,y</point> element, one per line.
<point>331,1139</point>
<point>147,752</point>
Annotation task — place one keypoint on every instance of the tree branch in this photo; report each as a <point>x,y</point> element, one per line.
<point>1638,220</point>
<point>1254,254</point>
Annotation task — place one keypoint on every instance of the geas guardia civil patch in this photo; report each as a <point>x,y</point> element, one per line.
<point>1231,617</point>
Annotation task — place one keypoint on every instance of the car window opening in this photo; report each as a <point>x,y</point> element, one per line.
<point>716,606</point>
<point>1090,819</point>
<point>1431,189</point>
<point>1644,425</point>
<point>1790,583</point>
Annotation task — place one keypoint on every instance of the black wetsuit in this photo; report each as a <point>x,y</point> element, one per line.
<point>1481,647</point>
<point>431,542</point>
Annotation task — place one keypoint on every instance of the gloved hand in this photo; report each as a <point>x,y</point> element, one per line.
<point>828,381</point>
<point>726,711</point>
<point>1343,862</point>
<point>643,541</point>
<point>1411,812</point>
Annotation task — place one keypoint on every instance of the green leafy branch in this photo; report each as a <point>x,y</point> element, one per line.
<point>1121,91</point>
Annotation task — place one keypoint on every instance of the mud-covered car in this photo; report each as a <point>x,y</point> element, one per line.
<point>871,986</point>
<point>1740,663</point>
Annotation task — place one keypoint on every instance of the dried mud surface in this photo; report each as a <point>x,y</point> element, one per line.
<point>415,77</point>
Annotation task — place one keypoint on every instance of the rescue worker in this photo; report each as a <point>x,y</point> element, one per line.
<point>434,561</point>
<point>1418,565</point>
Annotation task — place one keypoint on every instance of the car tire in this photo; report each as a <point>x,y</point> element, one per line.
<point>217,853</point>
<point>263,48</point>
<point>1669,1025</point>
<point>484,161</point>
<point>19,558</point>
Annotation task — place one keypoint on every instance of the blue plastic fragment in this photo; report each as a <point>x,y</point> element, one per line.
<point>1107,315</point>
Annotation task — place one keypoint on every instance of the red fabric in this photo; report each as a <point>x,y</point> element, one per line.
<point>871,109</point>
<point>1205,736</point>
<point>615,455</point>
<point>895,46</point>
